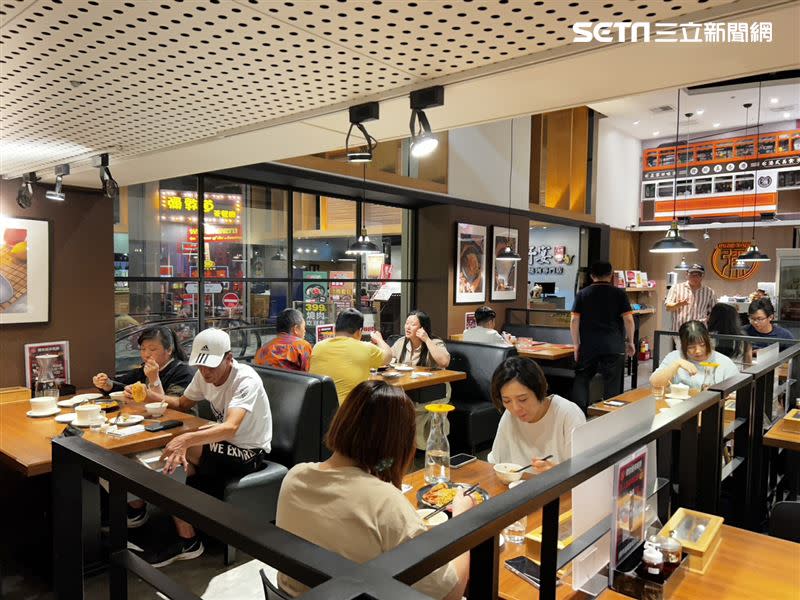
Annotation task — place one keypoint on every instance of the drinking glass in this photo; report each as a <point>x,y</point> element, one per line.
<point>515,533</point>
<point>658,391</point>
<point>97,422</point>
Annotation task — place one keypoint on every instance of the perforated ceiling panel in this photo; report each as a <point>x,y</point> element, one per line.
<point>85,76</point>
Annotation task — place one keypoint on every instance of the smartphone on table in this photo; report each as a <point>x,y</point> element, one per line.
<point>527,569</point>
<point>459,460</point>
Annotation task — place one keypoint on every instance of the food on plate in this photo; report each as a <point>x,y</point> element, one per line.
<point>139,392</point>
<point>107,404</point>
<point>14,236</point>
<point>441,494</point>
<point>20,252</point>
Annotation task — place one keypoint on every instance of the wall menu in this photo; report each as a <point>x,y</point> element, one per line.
<point>315,299</point>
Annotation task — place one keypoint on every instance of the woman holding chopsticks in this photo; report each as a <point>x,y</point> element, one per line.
<point>163,370</point>
<point>535,428</point>
<point>365,513</point>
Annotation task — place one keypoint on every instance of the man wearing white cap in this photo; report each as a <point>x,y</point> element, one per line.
<point>235,445</point>
<point>690,300</point>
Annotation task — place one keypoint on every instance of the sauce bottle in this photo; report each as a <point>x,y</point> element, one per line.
<point>652,567</point>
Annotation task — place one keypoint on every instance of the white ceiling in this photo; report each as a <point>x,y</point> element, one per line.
<point>721,110</point>
<point>182,87</point>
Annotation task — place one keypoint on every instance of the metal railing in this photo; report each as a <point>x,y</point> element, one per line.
<point>336,578</point>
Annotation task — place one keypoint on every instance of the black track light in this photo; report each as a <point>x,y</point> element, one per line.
<point>25,192</point>
<point>358,116</point>
<point>110,186</point>
<point>57,194</point>
<point>423,142</point>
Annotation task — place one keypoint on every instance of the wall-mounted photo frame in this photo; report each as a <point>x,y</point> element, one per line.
<point>504,272</point>
<point>470,271</point>
<point>24,271</point>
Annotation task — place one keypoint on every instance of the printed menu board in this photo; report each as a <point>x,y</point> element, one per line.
<point>627,526</point>
<point>60,365</point>
<point>342,292</point>
<point>315,299</point>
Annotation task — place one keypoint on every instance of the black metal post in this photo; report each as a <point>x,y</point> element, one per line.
<point>741,450</point>
<point>118,530</point>
<point>756,484</point>
<point>710,459</point>
<point>549,554</point>
<point>67,525</point>
<point>687,464</point>
<point>484,575</point>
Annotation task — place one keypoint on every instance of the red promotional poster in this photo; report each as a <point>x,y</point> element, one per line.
<point>325,331</point>
<point>386,271</point>
<point>469,320</point>
<point>59,364</point>
<point>627,527</point>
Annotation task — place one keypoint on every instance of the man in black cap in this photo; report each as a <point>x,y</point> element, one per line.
<point>690,300</point>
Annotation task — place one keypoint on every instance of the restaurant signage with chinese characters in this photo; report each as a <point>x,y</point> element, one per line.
<point>215,233</point>
<point>548,260</point>
<point>724,260</point>
<point>217,208</point>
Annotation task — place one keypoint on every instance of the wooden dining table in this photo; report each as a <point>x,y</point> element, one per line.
<point>747,564</point>
<point>427,377</point>
<point>535,350</point>
<point>25,441</point>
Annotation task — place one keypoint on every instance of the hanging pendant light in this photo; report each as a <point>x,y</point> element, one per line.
<point>673,241</point>
<point>683,265</point>
<point>362,245</point>
<point>509,253</point>
<point>753,254</point>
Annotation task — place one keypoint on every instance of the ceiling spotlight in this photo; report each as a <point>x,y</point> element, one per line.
<point>787,114</point>
<point>110,186</point>
<point>700,111</point>
<point>773,100</point>
<point>656,132</point>
<point>716,125</point>
<point>56,194</point>
<point>706,235</point>
<point>423,142</point>
<point>359,115</point>
<point>25,192</point>
<point>636,122</point>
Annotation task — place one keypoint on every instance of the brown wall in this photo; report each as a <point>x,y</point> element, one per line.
<point>658,265</point>
<point>81,284</point>
<point>437,258</point>
<point>624,249</point>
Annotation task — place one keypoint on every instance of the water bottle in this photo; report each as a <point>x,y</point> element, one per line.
<point>437,450</point>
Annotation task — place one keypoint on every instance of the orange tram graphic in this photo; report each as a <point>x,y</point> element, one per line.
<point>717,178</point>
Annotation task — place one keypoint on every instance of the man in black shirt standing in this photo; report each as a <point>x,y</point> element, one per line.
<point>602,331</point>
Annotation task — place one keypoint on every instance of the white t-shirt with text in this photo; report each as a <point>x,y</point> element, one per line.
<point>243,389</point>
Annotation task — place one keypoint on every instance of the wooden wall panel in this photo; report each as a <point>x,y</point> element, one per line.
<point>556,153</point>
<point>578,157</point>
<point>624,249</point>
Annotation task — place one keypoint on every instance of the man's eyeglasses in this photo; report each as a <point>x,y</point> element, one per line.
<point>758,319</point>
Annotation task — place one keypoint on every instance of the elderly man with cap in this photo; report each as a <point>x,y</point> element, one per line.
<point>690,300</point>
<point>234,445</point>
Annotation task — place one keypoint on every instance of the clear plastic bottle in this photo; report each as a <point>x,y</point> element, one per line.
<point>437,450</point>
<point>709,369</point>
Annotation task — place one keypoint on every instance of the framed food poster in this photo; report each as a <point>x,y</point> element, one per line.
<point>504,272</point>
<point>60,362</point>
<point>470,264</point>
<point>24,271</point>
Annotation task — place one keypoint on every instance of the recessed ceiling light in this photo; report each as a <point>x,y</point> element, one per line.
<point>700,111</point>
<point>636,122</point>
<point>773,100</point>
<point>716,125</point>
<point>656,132</point>
<point>787,114</point>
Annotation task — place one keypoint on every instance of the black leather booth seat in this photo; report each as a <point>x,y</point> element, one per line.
<point>475,419</point>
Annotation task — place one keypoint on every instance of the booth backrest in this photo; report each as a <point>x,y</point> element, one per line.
<point>479,362</point>
<point>302,407</point>
<point>553,335</point>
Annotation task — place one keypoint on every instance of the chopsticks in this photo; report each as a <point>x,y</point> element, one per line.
<point>549,456</point>
<point>467,492</point>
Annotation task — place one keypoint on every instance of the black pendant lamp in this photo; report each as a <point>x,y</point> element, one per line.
<point>682,266</point>
<point>508,253</point>
<point>673,241</point>
<point>362,245</point>
<point>753,254</point>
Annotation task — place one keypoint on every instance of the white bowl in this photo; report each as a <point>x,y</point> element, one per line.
<point>505,472</point>
<point>156,409</point>
<point>437,519</point>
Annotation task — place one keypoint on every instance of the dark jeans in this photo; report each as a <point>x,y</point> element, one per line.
<point>610,368</point>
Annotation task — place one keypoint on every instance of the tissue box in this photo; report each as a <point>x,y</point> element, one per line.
<point>699,533</point>
<point>791,422</point>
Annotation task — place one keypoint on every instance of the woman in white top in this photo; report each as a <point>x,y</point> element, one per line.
<point>421,348</point>
<point>534,425</point>
<point>683,366</point>
<point>351,503</point>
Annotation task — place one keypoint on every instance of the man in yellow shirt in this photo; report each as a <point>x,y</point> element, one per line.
<point>345,358</point>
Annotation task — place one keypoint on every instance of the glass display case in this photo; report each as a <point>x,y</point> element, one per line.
<point>787,271</point>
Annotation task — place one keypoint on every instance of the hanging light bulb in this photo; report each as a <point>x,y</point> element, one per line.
<point>753,254</point>
<point>508,253</point>
<point>682,266</point>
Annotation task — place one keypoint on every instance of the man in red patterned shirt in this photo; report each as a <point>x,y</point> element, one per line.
<point>289,349</point>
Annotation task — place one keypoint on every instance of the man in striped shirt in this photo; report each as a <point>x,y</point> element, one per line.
<point>690,300</point>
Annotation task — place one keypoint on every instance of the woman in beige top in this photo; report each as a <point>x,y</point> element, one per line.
<point>366,514</point>
<point>420,348</point>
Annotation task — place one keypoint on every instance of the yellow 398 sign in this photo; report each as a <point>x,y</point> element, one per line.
<point>723,261</point>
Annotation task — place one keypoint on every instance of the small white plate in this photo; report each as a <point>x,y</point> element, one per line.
<point>514,484</point>
<point>391,374</point>
<point>117,395</point>
<point>49,413</point>
<point>674,397</point>
<point>403,368</point>
<point>66,418</point>
<point>129,420</point>
<point>70,402</point>
<point>75,422</point>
